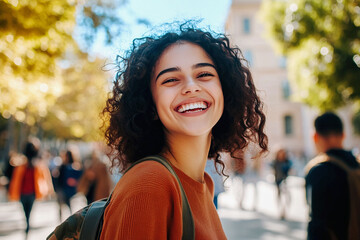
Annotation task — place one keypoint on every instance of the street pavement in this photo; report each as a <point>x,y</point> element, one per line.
<point>264,223</point>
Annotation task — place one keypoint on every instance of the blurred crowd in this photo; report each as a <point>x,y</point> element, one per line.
<point>56,174</point>
<point>246,174</point>
<point>67,173</point>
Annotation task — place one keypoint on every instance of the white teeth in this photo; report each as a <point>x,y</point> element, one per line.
<point>198,106</point>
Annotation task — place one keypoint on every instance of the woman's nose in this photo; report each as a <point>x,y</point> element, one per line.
<point>190,86</point>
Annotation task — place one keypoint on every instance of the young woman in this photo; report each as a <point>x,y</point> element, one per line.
<point>186,96</point>
<point>30,180</point>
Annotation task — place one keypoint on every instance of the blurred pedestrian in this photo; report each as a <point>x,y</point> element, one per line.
<point>95,183</point>
<point>30,180</point>
<point>217,179</point>
<point>281,166</point>
<point>69,174</point>
<point>250,177</point>
<point>327,186</point>
<point>11,162</point>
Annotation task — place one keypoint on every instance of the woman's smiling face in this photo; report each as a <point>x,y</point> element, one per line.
<point>186,90</point>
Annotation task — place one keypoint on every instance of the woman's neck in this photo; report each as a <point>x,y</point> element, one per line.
<point>188,153</point>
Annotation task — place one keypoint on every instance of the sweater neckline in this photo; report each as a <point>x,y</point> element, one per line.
<point>192,183</point>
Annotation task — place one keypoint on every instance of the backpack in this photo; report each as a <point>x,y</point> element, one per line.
<point>86,224</point>
<point>353,179</point>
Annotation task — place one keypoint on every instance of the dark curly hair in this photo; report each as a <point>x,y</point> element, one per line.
<point>133,132</point>
<point>31,150</point>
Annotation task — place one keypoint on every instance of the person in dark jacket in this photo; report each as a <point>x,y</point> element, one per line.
<point>327,190</point>
<point>69,174</point>
<point>281,166</point>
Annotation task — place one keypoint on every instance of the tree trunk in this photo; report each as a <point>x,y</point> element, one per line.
<point>10,137</point>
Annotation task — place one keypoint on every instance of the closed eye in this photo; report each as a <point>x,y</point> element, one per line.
<point>205,74</point>
<point>169,80</point>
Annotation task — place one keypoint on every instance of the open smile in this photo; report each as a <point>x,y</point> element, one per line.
<point>192,107</point>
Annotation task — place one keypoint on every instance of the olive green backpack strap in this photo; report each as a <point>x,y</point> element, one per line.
<point>93,220</point>
<point>87,223</point>
<point>188,222</point>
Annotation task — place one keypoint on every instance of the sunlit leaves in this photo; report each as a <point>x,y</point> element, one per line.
<point>33,35</point>
<point>309,68</point>
<point>76,113</point>
<point>99,16</point>
<point>36,37</point>
<point>321,41</point>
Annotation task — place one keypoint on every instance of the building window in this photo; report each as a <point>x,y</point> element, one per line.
<point>286,90</point>
<point>248,56</point>
<point>288,125</point>
<point>282,62</point>
<point>246,26</point>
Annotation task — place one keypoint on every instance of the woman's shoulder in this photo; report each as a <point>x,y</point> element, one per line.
<point>145,196</point>
<point>147,177</point>
<point>149,168</point>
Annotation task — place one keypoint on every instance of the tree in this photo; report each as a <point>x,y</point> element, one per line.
<point>321,39</point>
<point>36,36</point>
<point>33,36</point>
<point>99,16</point>
<point>76,113</point>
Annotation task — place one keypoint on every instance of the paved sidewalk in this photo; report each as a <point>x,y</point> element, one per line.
<point>263,224</point>
<point>12,220</point>
<point>255,226</point>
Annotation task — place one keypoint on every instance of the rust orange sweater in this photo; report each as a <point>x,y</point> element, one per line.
<point>146,204</point>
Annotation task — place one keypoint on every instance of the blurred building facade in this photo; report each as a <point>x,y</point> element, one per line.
<point>289,124</point>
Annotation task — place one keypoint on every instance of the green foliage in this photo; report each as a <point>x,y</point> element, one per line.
<point>356,123</point>
<point>36,37</point>
<point>100,16</point>
<point>33,35</point>
<point>321,39</point>
<point>76,113</point>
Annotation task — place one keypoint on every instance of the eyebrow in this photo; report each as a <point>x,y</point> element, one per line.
<point>176,69</point>
<point>199,65</point>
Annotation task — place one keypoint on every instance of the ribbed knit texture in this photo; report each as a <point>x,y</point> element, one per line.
<point>146,204</point>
